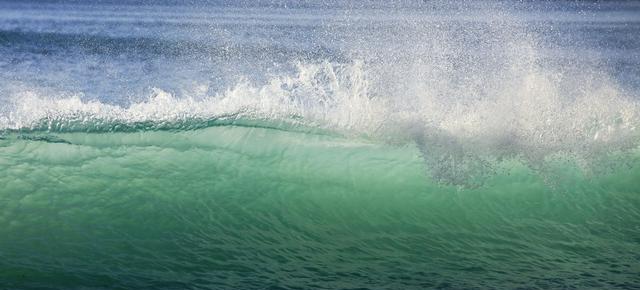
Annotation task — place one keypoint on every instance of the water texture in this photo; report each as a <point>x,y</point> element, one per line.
<point>308,145</point>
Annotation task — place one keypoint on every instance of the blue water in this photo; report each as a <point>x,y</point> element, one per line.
<point>319,145</point>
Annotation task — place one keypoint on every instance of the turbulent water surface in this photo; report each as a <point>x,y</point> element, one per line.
<point>319,145</point>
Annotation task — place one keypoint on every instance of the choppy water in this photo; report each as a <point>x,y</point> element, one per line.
<point>343,145</point>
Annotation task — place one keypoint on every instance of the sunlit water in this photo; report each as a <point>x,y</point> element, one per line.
<point>483,145</point>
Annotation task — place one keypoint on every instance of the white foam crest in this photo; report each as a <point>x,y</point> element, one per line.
<point>533,112</point>
<point>317,94</point>
<point>469,96</point>
<point>530,110</point>
<point>466,95</point>
<point>533,117</point>
<point>526,111</point>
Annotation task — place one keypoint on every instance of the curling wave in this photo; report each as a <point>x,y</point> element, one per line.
<point>531,115</point>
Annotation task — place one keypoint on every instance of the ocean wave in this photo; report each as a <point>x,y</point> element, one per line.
<point>461,140</point>
<point>532,109</point>
<point>466,96</point>
<point>321,94</point>
<point>241,200</point>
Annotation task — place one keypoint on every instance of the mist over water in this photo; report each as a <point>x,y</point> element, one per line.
<point>342,145</point>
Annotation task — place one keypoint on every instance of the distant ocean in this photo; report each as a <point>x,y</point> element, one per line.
<point>319,145</point>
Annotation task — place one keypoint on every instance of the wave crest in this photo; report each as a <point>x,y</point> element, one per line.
<point>526,112</point>
<point>318,95</point>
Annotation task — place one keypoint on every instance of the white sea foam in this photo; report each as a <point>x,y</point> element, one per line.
<point>465,95</point>
<point>319,94</point>
<point>531,110</point>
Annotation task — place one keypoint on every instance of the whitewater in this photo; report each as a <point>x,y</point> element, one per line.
<point>342,145</point>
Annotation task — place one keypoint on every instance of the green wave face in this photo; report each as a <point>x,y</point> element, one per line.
<point>232,207</point>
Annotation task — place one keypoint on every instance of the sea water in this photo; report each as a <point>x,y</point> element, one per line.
<point>319,145</point>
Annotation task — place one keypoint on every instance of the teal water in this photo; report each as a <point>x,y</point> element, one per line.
<point>335,144</point>
<point>241,207</point>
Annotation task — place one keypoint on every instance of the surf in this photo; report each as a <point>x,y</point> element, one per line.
<point>235,186</point>
<point>333,146</point>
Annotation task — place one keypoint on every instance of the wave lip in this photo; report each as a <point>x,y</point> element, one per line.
<point>527,114</point>
<point>320,94</point>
